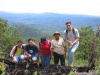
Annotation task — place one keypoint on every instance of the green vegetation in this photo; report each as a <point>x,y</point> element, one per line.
<point>8,37</point>
<point>86,39</point>
<point>10,34</point>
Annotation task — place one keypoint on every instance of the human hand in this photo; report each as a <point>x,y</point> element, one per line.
<point>64,55</point>
<point>52,57</point>
<point>71,44</point>
<point>12,56</point>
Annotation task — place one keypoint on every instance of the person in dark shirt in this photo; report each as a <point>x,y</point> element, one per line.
<point>31,50</point>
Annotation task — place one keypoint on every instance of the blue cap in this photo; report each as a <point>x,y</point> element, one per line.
<point>43,39</point>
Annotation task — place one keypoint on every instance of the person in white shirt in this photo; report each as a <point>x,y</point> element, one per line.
<point>71,36</point>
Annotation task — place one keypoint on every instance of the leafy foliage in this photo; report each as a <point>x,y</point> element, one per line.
<point>86,38</point>
<point>8,37</point>
<point>29,32</point>
<point>2,67</point>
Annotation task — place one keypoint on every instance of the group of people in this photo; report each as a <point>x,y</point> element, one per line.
<point>54,49</point>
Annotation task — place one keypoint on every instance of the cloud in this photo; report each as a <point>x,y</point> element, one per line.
<point>89,7</point>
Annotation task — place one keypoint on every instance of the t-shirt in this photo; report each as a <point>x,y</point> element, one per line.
<point>58,46</point>
<point>31,49</point>
<point>70,36</point>
<point>18,51</point>
<point>45,48</point>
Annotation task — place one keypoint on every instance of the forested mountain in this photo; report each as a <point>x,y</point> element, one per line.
<point>37,25</point>
<point>49,21</point>
<point>28,32</point>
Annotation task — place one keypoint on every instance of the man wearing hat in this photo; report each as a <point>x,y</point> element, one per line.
<point>58,49</point>
<point>44,48</point>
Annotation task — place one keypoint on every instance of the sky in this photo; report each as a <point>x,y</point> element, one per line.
<point>85,7</point>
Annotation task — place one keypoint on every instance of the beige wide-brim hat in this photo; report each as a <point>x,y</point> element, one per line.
<point>56,33</point>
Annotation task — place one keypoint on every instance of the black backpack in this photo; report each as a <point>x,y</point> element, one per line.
<point>73,30</point>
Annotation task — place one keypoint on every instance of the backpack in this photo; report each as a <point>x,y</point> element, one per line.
<point>73,30</point>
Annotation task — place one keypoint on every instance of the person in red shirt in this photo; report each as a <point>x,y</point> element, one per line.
<point>45,53</point>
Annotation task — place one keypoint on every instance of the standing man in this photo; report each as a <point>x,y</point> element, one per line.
<point>17,52</point>
<point>58,49</point>
<point>71,36</point>
<point>31,50</point>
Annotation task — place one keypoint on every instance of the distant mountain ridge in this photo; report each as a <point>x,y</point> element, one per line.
<point>50,22</point>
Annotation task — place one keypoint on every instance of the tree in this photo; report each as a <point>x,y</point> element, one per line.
<point>86,38</point>
<point>8,37</point>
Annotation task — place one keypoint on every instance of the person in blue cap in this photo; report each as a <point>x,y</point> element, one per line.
<point>44,48</point>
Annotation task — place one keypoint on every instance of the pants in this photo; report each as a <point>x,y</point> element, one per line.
<point>71,52</point>
<point>45,60</point>
<point>57,57</point>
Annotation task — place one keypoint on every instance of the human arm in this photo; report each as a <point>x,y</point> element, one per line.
<point>26,51</point>
<point>69,42</point>
<point>76,40</point>
<point>65,38</point>
<point>65,49</point>
<point>51,49</point>
<point>27,54</point>
<point>39,53</point>
<point>12,51</point>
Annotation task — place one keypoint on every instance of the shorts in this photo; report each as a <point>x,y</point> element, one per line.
<point>19,58</point>
<point>34,56</point>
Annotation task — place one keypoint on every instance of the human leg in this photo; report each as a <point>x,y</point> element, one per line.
<point>21,57</point>
<point>62,60</point>
<point>42,60</point>
<point>71,52</point>
<point>56,58</point>
<point>15,59</point>
<point>47,60</point>
<point>34,57</point>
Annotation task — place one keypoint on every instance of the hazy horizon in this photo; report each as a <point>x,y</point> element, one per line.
<point>81,7</point>
<point>47,13</point>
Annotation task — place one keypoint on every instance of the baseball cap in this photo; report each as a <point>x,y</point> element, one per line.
<point>43,39</point>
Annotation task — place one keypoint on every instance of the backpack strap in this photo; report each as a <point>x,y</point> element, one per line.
<point>73,30</point>
<point>15,50</point>
<point>22,47</point>
<point>66,32</point>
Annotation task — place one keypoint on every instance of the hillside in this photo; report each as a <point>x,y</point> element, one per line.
<point>47,23</point>
<point>28,32</point>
